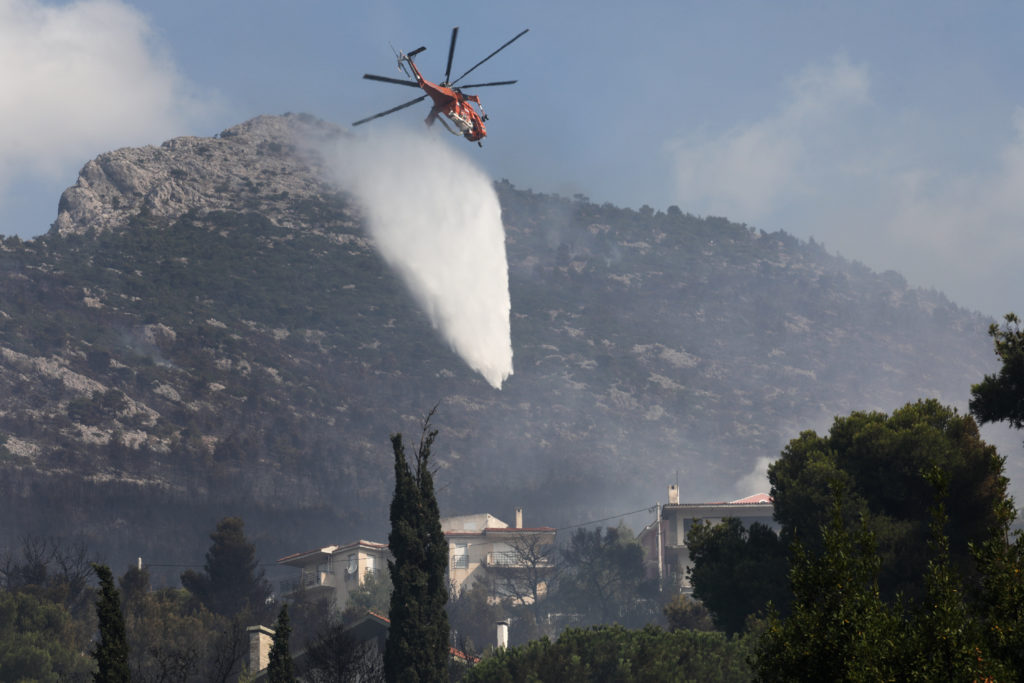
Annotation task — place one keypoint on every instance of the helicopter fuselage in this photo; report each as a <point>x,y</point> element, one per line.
<point>453,105</point>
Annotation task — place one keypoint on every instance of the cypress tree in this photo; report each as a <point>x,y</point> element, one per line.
<point>279,669</point>
<point>111,653</point>
<point>417,643</point>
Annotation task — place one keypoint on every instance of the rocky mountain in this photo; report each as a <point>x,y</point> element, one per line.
<point>207,330</point>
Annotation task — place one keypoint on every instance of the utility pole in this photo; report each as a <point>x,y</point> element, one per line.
<point>661,563</point>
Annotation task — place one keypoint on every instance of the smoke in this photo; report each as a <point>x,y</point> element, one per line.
<point>755,481</point>
<point>436,220</point>
<point>79,78</point>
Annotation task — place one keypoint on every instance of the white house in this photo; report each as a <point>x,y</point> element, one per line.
<point>336,570</point>
<point>510,561</point>
<point>664,540</point>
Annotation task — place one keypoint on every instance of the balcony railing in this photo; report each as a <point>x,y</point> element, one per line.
<point>504,558</point>
<point>515,560</point>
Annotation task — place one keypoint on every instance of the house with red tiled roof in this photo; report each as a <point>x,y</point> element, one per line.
<point>664,540</point>
<point>334,571</point>
<point>508,560</point>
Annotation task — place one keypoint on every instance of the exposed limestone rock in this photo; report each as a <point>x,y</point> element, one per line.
<point>243,167</point>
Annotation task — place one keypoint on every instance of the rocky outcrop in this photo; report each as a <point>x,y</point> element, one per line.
<point>264,165</point>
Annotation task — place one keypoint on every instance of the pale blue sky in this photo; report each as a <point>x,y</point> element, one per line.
<point>891,132</point>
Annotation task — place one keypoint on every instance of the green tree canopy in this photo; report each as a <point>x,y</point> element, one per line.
<point>168,639</point>
<point>472,615</point>
<point>947,633</point>
<point>840,628</point>
<point>231,580</point>
<point>613,653</point>
<point>53,569</point>
<point>38,641</point>
<point>338,655</point>
<point>880,460</point>
<point>417,645</point>
<point>372,595</point>
<point>1001,397</point>
<point>603,578</point>
<point>683,612</point>
<point>172,638</point>
<point>736,572</point>
<point>111,652</point>
<point>279,669</point>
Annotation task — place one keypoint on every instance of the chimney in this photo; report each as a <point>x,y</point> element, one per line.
<point>502,634</point>
<point>519,518</point>
<point>260,640</point>
<point>673,494</point>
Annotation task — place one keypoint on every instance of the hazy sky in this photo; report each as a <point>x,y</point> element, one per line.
<point>891,132</point>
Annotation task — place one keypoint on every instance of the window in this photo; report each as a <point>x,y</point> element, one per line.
<point>353,564</point>
<point>460,556</point>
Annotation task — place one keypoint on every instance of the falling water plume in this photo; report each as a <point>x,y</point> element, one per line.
<point>436,220</point>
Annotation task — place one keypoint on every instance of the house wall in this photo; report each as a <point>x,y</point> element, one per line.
<point>466,556</point>
<point>470,554</point>
<point>472,523</point>
<point>338,571</point>
<point>676,521</point>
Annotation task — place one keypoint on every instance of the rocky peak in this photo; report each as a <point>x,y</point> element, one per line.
<point>253,165</point>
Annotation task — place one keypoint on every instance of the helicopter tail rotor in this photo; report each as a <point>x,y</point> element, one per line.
<point>402,58</point>
<point>399,59</point>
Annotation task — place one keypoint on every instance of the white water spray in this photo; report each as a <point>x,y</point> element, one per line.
<point>436,220</point>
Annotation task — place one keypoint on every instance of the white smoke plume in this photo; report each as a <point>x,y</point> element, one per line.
<point>436,220</point>
<point>79,78</point>
<point>755,481</point>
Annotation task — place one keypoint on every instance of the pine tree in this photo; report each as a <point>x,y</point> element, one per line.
<point>417,644</point>
<point>839,629</point>
<point>279,669</point>
<point>947,638</point>
<point>111,652</point>
<point>1001,397</point>
<point>232,579</point>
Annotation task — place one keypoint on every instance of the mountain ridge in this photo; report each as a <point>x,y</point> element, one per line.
<point>207,330</point>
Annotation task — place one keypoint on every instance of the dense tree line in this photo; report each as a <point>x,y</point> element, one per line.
<point>57,625</point>
<point>895,561</point>
<point>881,462</point>
<point>896,551</point>
<point>615,653</point>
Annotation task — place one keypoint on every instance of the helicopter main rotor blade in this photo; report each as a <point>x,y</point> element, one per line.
<point>390,111</point>
<point>451,53</point>
<point>483,85</point>
<point>520,35</point>
<point>385,79</point>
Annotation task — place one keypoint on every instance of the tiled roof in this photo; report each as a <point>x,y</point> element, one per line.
<point>756,499</point>
<point>501,529</point>
<point>332,549</point>
<point>749,500</point>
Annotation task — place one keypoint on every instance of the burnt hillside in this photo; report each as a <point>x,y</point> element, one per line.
<point>207,330</point>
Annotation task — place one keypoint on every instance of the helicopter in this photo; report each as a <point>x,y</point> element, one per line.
<point>451,104</point>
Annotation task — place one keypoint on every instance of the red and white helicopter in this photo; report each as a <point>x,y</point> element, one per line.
<point>449,100</point>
